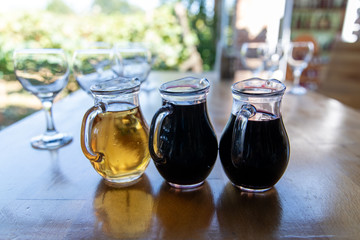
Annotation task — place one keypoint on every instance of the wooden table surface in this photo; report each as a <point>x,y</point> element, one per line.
<point>58,195</point>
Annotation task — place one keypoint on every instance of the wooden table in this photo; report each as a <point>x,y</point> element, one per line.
<point>58,195</point>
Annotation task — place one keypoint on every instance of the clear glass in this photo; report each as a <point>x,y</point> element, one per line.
<point>44,73</point>
<point>94,65</point>
<point>182,141</point>
<point>136,62</point>
<point>254,147</point>
<point>299,56</point>
<point>272,63</point>
<point>114,133</point>
<point>253,56</point>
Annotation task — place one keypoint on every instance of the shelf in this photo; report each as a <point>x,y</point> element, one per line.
<point>327,10</point>
<point>320,4</point>
<point>331,30</point>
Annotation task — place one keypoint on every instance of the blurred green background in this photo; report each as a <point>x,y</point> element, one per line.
<point>111,21</point>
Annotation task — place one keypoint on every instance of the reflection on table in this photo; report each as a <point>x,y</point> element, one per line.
<point>184,214</point>
<point>126,212</point>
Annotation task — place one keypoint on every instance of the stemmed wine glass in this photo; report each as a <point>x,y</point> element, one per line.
<point>275,54</point>
<point>93,65</point>
<point>44,73</point>
<point>135,62</point>
<point>253,56</point>
<point>299,55</point>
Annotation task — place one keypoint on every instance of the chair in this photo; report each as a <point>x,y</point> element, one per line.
<point>340,78</point>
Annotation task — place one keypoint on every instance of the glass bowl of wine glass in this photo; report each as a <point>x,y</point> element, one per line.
<point>93,65</point>
<point>253,56</point>
<point>136,62</point>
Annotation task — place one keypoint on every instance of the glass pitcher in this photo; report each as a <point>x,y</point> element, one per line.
<point>182,140</point>
<point>254,147</point>
<point>114,134</point>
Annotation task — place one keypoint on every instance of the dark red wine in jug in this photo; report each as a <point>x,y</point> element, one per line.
<point>188,145</point>
<point>265,153</point>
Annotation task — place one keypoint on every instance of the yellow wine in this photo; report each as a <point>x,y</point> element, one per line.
<point>122,138</point>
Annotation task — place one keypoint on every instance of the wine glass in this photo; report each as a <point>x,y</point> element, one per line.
<point>272,62</point>
<point>93,65</point>
<point>253,56</point>
<point>299,55</point>
<point>135,62</point>
<point>44,73</point>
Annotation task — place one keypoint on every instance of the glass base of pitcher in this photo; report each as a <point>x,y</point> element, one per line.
<point>186,187</point>
<point>252,190</point>
<point>123,182</point>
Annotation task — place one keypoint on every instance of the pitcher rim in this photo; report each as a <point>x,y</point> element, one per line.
<point>112,86</point>
<point>164,88</point>
<point>271,91</point>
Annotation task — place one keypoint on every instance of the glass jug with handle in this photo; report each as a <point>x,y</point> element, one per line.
<point>254,147</point>
<point>114,134</point>
<point>182,141</point>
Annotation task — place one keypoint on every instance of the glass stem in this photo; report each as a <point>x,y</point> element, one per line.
<point>50,126</point>
<point>297,74</point>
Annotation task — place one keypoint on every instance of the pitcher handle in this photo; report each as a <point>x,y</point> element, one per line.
<point>238,136</point>
<point>86,128</point>
<point>156,123</point>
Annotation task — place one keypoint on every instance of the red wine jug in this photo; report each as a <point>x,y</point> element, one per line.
<point>254,147</point>
<point>182,141</point>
